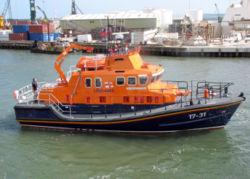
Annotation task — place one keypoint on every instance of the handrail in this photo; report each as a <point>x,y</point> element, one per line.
<point>59,60</point>
<point>54,101</point>
<point>221,88</point>
<point>212,87</point>
<point>25,93</point>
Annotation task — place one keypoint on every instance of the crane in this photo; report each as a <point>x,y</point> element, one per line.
<point>32,12</point>
<point>7,7</point>
<point>47,21</point>
<point>33,8</point>
<point>74,7</point>
<point>218,13</point>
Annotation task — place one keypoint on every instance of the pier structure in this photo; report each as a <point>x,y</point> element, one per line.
<point>156,50</point>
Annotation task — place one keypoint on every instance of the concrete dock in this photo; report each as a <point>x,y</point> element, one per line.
<point>16,44</point>
<point>242,50</point>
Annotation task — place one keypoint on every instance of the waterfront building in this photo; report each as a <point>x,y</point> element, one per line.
<point>131,20</point>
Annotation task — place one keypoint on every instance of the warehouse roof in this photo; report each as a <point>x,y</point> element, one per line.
<point>116,15</point>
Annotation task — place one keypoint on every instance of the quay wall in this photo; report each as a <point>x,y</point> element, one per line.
<point>156,50</point>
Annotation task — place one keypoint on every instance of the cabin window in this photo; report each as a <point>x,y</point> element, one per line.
<point>155,77</point>
<point>88,82</point>
<point>152,79</point>
<point>131,80</point>
<point>120,81</point>
<point>98,82</point>
<point>143,79</point>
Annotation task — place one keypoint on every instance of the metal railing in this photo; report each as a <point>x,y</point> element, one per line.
<point>25,94</point>
<point>215,89</point>
<point>52,100</point>
<point>191,97</point>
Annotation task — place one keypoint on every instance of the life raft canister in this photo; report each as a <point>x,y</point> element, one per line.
<point>15,94</point>
<point>206,94</point>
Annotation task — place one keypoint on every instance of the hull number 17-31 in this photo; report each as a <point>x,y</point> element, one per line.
<point>197,115</point>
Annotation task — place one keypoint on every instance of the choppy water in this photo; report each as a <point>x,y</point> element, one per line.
<point>46,154</point>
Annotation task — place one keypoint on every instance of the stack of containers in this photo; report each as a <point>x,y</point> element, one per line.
<point>56,35</point>
<point>20,32</point>
<point>41,32</point>
<point>21,22</point>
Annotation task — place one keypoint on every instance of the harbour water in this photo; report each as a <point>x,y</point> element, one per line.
<point>26,153</point>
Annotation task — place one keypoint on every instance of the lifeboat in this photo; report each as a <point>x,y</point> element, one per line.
<point>86,64</point>
<point>121,93</point>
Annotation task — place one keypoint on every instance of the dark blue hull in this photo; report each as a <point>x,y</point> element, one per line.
<point>158,121</point>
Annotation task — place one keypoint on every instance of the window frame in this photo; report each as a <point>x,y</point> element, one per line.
<point>139,79</point>
<point>135,80</point>
<point>88,78</point>
<point>100,82</point>
<point>123,79</point>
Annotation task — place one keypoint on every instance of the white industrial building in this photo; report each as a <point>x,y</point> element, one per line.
<point>134,20</point>
<point>237,12</point>
<point>195,15</point>
<point>164,17</point>
<point>237,18</point>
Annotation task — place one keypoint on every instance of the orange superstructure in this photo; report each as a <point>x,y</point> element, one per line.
<point>115,79</point>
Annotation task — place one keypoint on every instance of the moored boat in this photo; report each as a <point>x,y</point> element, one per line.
<point>121,93</point>
<point>46,51</point>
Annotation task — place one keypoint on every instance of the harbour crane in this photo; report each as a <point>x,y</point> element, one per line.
<point>33,8</point>
<point>7,8</point>
<point>32,12</point>
<point>218,13</point>
<point>46,20</point>
<point>74,7</point>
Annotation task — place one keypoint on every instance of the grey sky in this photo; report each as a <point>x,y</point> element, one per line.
<point>60,8</point>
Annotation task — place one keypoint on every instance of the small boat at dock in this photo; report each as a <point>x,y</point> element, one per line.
<point>121,93</point>
<point>46,51</point>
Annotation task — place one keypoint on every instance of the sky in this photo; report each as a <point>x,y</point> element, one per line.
<point>61,8</point>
